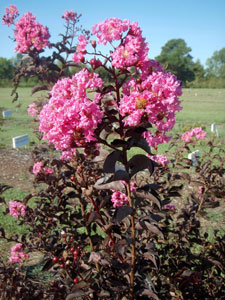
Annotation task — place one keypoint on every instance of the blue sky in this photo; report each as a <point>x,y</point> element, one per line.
<point>201,23</point>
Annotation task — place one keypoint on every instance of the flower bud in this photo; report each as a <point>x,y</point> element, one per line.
<point>93,43</point>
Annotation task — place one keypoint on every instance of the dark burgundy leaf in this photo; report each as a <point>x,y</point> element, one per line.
<point>112,158</point>
<point>102,155</point>
<point>140,143</point>
<point>148,195</point>
<point>150,293</point>
<point>38,88</point>
<point>75,295</point>
<point>115,185</point>
<point>152,228</point>
<point>119,143</point>
<point>151,257</point>
<point>119,175</point>
<point>49,263</point>
<point>2,232</point>
<point>138,163</point>
<point>4,188</point>
<point>93,217</point>
<point>123,212</point>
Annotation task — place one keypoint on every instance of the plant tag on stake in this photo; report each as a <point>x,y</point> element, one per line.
<point>192,156</point>
<point>214,129</point>
<point>7,113</point>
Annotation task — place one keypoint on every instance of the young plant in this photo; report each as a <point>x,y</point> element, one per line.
<point>95,222</point>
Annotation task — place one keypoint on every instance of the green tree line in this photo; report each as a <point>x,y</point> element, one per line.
<point>175,57</point>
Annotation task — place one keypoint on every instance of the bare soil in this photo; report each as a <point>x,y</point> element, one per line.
<point>14,169</point>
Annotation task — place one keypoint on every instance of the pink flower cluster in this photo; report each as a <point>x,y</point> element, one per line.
<point>38,168</point>
<point>160,159</point>
<point>32,110</point>
<point>17,256</point>
<point>11,13</point>
<point>133,50</point>
<point>70,118</point>
<point>29,34</point>
<point>109,30</point>
<point>16,209</point>
<point>69,15</point>
<point>119,199</point>
<point>197,132</point>
<point>154,100</point>
<point>81,49</point>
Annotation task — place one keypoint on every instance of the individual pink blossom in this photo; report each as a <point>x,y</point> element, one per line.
<point>119,199</point>
<point>17,256</point>
<point>11,13</point>
<point>197,132</point>
<point>70,118</point>
<point>16,209</point>
<point>32,110</point>
<point>69,15</point>
<point>187,136</point>
<point>37,167</point>
<point>160,159</point>
<point>30,35</point>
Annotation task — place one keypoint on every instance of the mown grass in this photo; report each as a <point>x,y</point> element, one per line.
<point>7,222</point>
<point>20,123</point>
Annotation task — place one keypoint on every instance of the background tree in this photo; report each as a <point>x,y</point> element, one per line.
<point>199,75</point>
<point>175,57</point>
<point>216,64</point>
<point>6,69</point>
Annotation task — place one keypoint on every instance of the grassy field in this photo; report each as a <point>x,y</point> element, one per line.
<point>20,123</point>
<point>201,107</point>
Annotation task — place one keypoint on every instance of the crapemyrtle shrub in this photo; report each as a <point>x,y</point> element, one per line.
<point>105,233</point>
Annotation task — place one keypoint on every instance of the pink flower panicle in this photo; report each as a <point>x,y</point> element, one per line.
<point>197,132</point>
<point>69,15</point>
<point>109,30</point>
<point>81,49</point>
<point>119,199</point>
<point>153,100</point>
<point>32,110</point>
<point>17,256</point>
<point>11,13</point>
<point>133,51</point>
<point>16,209</point>
<point>30,35</point>
<point>70,118</point>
